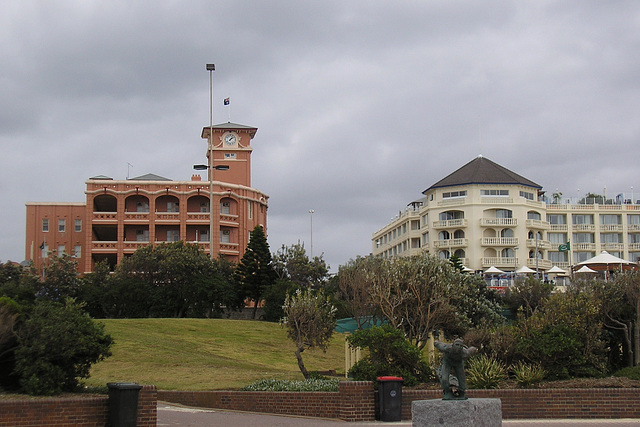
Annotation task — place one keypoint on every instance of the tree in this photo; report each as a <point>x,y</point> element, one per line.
<point>310,321</point>
<point>61,278</point>
<point>255,274</point>
<point>294,270</point>
<point>413,294</point>
<point>457,263</point>
<point>629,283</point>
<point>171,280</point>
<point>528,295</point>
<point>355,280</point>
<point>58,343</point>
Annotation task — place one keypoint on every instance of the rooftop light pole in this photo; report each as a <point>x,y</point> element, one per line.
<point>311,211</point>
<point>211,204</point>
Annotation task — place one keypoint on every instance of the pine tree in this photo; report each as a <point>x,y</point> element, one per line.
<point>255,274</point>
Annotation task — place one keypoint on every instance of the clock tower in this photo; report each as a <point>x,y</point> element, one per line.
<point>229,144</point>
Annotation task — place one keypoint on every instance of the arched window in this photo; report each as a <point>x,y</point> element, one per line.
<point>445,254</point>
<point>458,234</point>
<point>444,235</point>
<point>506,232</point>
<point>507,253</point>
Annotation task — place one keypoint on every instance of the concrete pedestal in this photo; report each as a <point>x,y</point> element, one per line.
<point>456,413</point>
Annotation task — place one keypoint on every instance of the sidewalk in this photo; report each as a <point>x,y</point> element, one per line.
<point>173,415</point>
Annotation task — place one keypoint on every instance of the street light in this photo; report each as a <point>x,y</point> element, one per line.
<point>211,204</point>
<point>311,211</point>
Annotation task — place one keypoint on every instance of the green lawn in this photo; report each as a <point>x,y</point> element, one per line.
<point>205,354</point>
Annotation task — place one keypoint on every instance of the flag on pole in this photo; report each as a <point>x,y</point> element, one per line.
<point>565,248</point>
<point>226,101</point>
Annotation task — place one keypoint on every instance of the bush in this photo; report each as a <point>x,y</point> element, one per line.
<point>633,373</point>
<point>527,374</point>
<point>285,385</point>
<point>485,372</point>
<point>57,344</point>
<point>390,353</point>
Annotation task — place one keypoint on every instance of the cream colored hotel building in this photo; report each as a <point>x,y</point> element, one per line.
<point>489,216</point>
<point>121,216</point>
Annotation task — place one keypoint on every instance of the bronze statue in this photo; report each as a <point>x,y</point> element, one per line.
<point>451,373</point>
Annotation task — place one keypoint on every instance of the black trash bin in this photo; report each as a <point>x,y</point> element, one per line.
<point>390,398</point>
<point>123,404</point>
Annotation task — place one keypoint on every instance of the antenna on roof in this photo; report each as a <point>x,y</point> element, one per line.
<point>129,165</point>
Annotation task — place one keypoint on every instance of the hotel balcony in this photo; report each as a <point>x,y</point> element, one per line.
<point>541,244</point>
<point>612,247</point>
<point>558,227</point>
<point>543,264</point>
<point>538,224</point>
<point>611,227</point>
<point>451,243</point>
<point>633,227</point>
<point>499,241</point>
<point>136,216</point>
<point>103,246</point>
<point>451,223</point>
<point>584,227</point>
<point>498,222</point>
<point>164,217</point>
<point>132,246</point>
<point>583,246</point>
<point>105,216</point>
<point>508,263</point>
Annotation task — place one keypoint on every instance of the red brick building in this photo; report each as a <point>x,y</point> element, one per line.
<point>120,216</point>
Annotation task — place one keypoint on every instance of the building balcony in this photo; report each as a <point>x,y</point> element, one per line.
<point>229,219</point>
<point>498,222</point>
<point>105,216</point>
<point>541,244</point>
<point>136,216</point>
<point>103,246</point>
<point>633,227</point>
<point>499,241</point>
<point>542,264</point>
<point>584,227</point>
<point>584,246</point>
<point>130,247</point>
<point>538,224</point>
<point>167,217</point>
<point>198,217</point>
<point>612,247</point>
<point>558,227</point>
<point>634,246</point>
<point>451,243</point>
<point>500,262</point>
<point>611,227</point>
<point>230,248</point>
<point>451,223</point>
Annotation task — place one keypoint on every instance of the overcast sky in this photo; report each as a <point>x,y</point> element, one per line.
<point>359,105</point>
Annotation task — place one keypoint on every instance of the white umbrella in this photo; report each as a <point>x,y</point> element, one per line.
<point>467,269</point>
<point>585,269</point>
<point>556,270</point>
<point>525,270</point>
<point>605,258</point>
<point>493,270</point>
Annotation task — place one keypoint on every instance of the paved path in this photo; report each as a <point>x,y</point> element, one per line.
<point>173,415</point>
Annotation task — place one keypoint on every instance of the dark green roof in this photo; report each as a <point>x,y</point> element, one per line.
<point>482,171</point>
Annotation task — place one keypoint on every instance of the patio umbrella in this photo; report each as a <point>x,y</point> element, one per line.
<point>585,269</point>
<point>604,260</point>
<point>525,270</point>
<point>467,269</point>
<point>493,270</point>
<point>556,270</point>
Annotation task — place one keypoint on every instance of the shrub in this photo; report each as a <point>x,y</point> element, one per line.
<point>58,343</point>
<point>390,353</point>
<point>485,372</point>
<point>527,374</point>
<point>633,373</point>
<point>285,385</point>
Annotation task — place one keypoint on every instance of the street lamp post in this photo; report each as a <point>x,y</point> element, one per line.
<point>311,211</point>
<point>211,168</point>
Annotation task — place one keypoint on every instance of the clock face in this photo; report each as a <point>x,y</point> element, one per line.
<point>230,139</point>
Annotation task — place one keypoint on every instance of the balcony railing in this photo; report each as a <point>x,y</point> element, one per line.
<point>558,227</point>
<point>499,241</point>
<point>136,216</point>
<point>103,246</point>
<point>584,227</point>
<point>499,262</point>
<point>541,244</point>
<point>498,222</point>
<point>197,216</point>
<point>132,246</point>
<point>584,246</point>
<point>542,264</point>
<point>536,223</point>
<point>633,227</point>
<point>612,247</point>
<point>105,216</point>
<point>451,243</point>
<point>451,223</point>
<point>611,227</point>
<point>167,216</point>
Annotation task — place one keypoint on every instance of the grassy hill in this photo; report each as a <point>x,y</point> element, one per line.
<point>205,354</point>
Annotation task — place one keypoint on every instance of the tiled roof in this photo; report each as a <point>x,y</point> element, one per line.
<point>482,171</point>
<point>149,177</point>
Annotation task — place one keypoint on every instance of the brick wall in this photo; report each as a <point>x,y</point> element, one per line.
<point>356,402</point>
<point>608,403</point>
<point>80,411</point>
